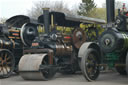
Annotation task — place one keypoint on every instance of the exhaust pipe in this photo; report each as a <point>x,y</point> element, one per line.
<point>110,5</point>
<point>46,19</point>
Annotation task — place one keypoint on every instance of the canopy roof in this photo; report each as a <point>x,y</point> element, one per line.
<point>19,20</point>
<point>62,19</point>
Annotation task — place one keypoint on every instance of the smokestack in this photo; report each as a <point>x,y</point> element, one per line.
<point>110,5</point>
<point>46,19</point>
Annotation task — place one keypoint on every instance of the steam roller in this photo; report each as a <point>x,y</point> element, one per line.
<point>48,56</point>
<point>53,50</point>
<point>30,67</point>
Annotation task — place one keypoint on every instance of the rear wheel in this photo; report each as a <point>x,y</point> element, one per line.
<point>7,63</point>
<point>89,64</point>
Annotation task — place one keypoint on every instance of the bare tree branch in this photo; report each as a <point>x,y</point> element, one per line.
<point>2,20</point>
<point>58,6</point>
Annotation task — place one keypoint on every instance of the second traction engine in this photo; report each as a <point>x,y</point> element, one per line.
<point>114,43</point>
<point>51,51</point>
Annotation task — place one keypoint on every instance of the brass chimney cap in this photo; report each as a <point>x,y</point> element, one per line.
<point>45,8</point>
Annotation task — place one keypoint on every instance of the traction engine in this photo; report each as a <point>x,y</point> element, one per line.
<point>54,51</point>
<point>113,44</point>
<point>12,42</point>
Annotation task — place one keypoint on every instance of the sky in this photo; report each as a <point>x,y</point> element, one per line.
<point>9,8</point>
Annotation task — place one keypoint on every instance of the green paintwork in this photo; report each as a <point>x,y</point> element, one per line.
<point>111,58</point>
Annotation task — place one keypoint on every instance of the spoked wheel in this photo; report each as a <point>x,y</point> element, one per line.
<point>89,64</point>
<point>7,63</point>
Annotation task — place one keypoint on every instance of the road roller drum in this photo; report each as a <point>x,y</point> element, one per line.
<point>29,67</point>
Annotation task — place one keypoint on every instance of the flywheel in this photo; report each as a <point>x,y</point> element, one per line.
<point>79,37</point>
<point>28,33</point>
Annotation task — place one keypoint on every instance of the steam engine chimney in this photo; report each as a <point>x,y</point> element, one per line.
<point>110,5</point>
<point>46,19</point>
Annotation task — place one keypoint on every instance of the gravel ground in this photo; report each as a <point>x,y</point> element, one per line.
<point>107,78</point>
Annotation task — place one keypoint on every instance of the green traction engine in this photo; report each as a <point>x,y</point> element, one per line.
<point>113,44</point>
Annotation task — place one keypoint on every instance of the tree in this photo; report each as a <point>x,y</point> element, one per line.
<point>59,6</point>
<point>86,7</point>
<point>2,20</point>
<point>99,13</point>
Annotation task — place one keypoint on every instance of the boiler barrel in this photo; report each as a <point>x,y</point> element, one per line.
<point>6,44</point>
<point>62,50</point>
<point>111,41</point>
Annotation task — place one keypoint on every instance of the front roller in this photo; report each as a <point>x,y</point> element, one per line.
<point>90,55</point>
<point>35,67</point>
